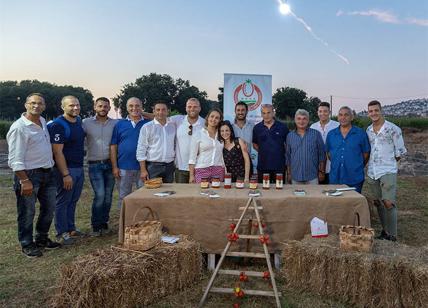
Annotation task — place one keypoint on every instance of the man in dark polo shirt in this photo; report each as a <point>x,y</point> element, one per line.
<point>99,130</point>
<point>269,139</point>
<point>67,138</point>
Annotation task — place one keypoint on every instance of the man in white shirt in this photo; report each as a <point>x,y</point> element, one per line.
<point>244,129</point>
<point>155,149</point>
<point>324,126</point>
<point>31,159</point>
<point>186,127</point>
<point>387,147</point>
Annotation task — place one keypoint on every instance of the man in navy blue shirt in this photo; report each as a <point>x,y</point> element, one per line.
<point>67,138</point>
<point>269,138</point>
<point>348,149</point>
<point>123,149</point>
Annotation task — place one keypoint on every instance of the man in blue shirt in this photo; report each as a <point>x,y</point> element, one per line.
<point>269,137</point>
<point>348,149</point>
<point>67,138</point>
<point>305,152</point>
<point>123,148</point>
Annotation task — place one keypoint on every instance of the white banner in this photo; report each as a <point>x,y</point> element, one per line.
<point>254,90</point>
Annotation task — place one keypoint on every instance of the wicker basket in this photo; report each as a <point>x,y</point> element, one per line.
<point>153,183</point>
<point>143,235</point>
<point>356,238</point>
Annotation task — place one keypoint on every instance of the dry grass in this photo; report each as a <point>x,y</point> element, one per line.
<point>30,282</point>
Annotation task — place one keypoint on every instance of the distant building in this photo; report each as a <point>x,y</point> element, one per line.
<point>415,108</point>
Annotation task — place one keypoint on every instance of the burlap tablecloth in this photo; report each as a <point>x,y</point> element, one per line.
<point>286,215</point>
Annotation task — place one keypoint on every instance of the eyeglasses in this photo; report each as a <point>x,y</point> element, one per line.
<point>190,130</point>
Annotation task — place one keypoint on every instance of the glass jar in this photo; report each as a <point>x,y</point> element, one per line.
<point>239,183</point>
<point>279,181</point>
<point>227,181</point>
<point>253,182</point>
<point>205,183</point>
<point>215,182</point>
<point>266,181</point>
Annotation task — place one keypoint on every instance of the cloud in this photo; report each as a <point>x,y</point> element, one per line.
<point>382,16</point>
<point>386,17</point>
<point>417,21</point>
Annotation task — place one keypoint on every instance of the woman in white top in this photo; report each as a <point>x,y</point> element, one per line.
<point>206,151</point>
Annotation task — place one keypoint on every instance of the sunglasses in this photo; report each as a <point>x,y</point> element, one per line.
<point>190,130</point>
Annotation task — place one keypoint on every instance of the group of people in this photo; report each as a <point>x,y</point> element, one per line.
<point>47,158</point>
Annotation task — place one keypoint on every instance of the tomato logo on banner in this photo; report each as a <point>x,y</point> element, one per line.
<point>249,93</point>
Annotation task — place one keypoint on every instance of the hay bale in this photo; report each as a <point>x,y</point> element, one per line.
<point>394,275</point>
<point>119,278</point>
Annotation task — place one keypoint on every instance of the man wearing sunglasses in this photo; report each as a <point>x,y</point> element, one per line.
<point>187,125</point>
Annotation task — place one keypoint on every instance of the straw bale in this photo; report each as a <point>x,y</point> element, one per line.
<point>393,275</point>
<point>115,277</point>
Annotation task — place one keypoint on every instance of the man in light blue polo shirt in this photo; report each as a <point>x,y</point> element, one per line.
<point>348,148</point>
<point>123,148</point>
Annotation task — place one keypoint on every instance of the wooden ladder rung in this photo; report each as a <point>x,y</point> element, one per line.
<point>243,219</point>
<point>238,273</point>
<point>246,292</point>
<point>251,237</point>
<point>246,254</point>
<point>250,208</point>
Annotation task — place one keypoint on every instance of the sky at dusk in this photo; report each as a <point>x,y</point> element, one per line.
<point>353,50</point>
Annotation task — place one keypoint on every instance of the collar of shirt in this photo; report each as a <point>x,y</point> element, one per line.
<point>159,123</point>
<point>28,122</point>
<point>108,119</point>
<point>134,123</point>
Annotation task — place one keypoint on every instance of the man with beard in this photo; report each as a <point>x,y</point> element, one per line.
<point>186,127</point>
<point>243,129</point>
<point>30,157</point>
<point>67,138</point>
<point>99,130</point>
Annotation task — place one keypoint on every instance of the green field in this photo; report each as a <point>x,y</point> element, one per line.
<point>31,282</point>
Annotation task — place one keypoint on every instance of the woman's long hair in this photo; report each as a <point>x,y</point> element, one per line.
<point>232,133</point>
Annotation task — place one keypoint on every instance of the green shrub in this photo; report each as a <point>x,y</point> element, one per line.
<point>4,128</point>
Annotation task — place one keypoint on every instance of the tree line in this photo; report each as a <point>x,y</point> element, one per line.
<point>149,88</point>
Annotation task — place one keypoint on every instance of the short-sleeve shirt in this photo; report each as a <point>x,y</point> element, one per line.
<point>125,136</point>
<point>73,149</point>
<point>245,133</point>
<point>271,143</point>
<point>346,154</point>
<point>98,137</point>
<point>386,145</point>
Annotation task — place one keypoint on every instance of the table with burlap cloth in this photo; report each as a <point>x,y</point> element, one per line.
<point>286,215</point>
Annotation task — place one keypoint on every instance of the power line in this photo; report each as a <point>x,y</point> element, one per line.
<point>381,98</point>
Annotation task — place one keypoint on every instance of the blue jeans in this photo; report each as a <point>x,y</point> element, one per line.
<point>125,182</point>
<point>66,201</point>
<point>102,182</point>
<point>44,189</point>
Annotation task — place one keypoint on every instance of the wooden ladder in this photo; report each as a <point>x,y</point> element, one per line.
<point>226,252</point>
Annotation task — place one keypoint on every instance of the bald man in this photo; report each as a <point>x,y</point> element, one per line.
<point>67,138</point>
<point>123,149</point>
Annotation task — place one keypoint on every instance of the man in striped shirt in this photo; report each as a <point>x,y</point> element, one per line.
<point>305,152</point>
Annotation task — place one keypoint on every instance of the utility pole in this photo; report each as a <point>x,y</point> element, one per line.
<point>331,105</point>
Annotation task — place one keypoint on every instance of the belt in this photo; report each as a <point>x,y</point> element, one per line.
<point>42,169</point>
<point>105,161</point>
